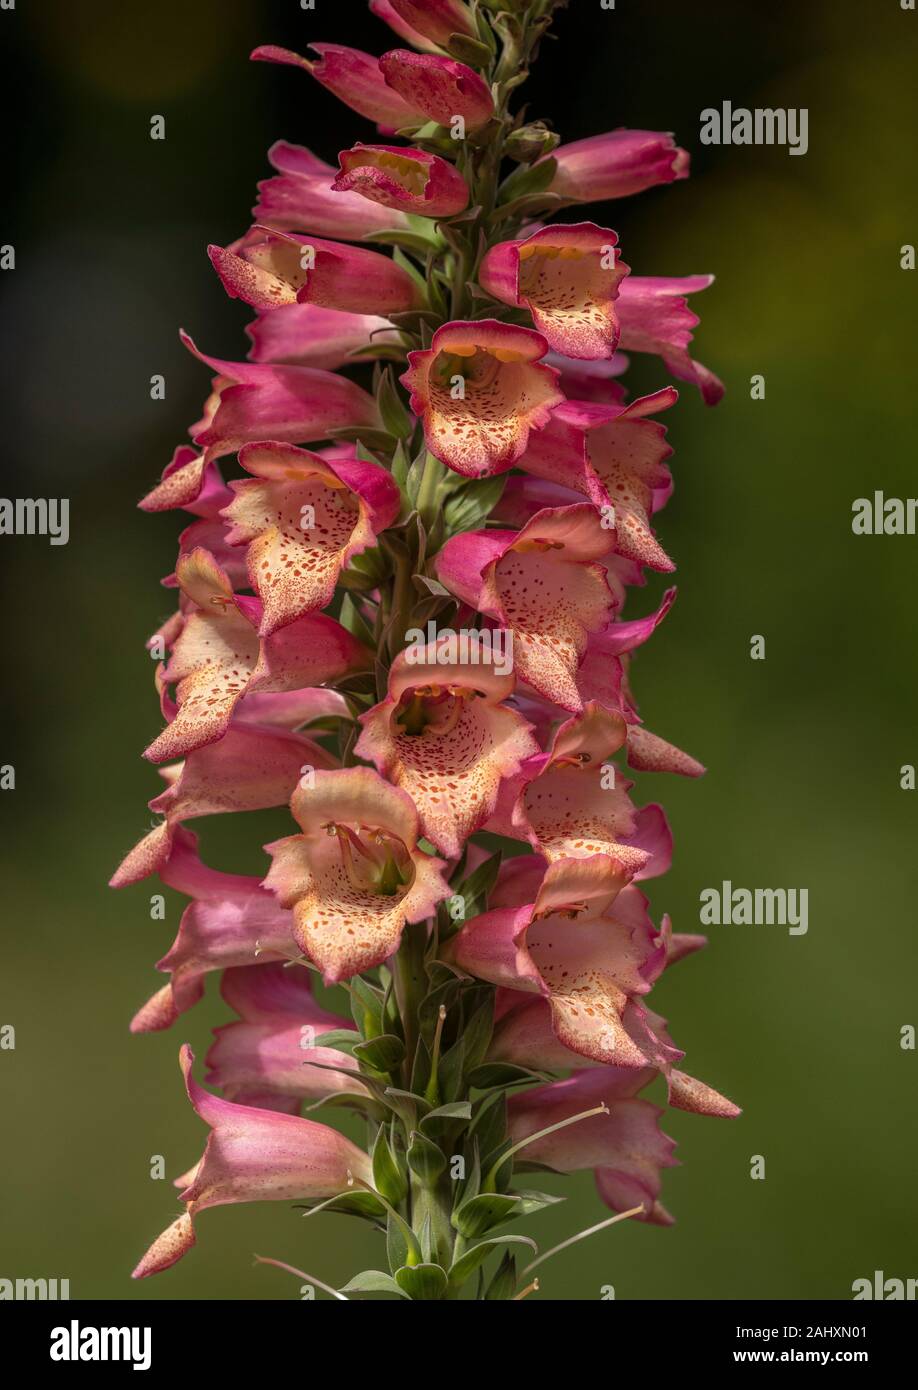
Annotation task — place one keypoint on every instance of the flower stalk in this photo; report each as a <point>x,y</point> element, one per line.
<point>406,628</point>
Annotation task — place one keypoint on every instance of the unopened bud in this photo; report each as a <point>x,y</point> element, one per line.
<point>531,142</point>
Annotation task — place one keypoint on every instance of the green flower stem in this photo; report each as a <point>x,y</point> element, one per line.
<point>410,983</point>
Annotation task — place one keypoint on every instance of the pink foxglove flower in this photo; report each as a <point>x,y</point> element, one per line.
<point>544,585</point>
<point>447,737</point>
<point>301,199</point>
<point>386,11</point>
<point>481,389</point>
<point>272,270</point>
<point>354,77</point>
<point>616,164</point>
<point>253,1155</point>
<point>439,87</point>
<point>435,20</point>
<point>410,181</point>
<point>568,277</point>
<point>303,519</point>
<point>403,623</point>
<point>355,876</point>
<point>655,317</point>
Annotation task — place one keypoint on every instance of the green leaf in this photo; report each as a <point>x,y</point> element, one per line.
<point>477,887</point>
<point>424,1282</point>
<point>373,1281</point>
<point>353,620</point>
<point>425,1158</point>
<point>341,1039</point>
<point>467,1264</point>
<point>396,1244</point>
<point>524,183</point>
<point>476,1035</point>
<point>363,434</point>
<point>534,205</point>
<point>500,1075</point>
<point>357,1203</point>
<point>479,1214</point>
<point>470,504</point>
<point>531,1202</point>
<point>411,269</point>
<point>388,1177</point>
<point>503,1286</point>
<point>383,1053</point>
<point>408,241</point>
<point>392,409</point>
<point>366,1007</point>
<point>424,584</point>
<point>446,1114</point>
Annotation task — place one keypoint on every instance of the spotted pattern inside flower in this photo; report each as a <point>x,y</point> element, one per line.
<point>346,928</point>
<point>627,460</point>
<point>451,770</point>
<point>586,996</point>
<point>571,298</point>
<point>298,534</point>
<point>574,816</point>
<point>551,606</point>
<point>482,406</point>
<point>212,661</point>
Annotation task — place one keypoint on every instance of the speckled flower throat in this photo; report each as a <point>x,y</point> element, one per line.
<point>406,618</point>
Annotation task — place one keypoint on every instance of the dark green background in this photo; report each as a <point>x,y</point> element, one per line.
<point>804,749</point>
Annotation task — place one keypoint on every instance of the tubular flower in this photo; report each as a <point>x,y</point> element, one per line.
<point>624,1145</point>
<point>572,946</point>
<point>269,1058</point>
<point>616,165</point>
<point>355,875</point>
<point>481,390</point>
<point>217,659</point>
<point>543,585</point>
<point>273,270</point>
<point>253,1156</point>
<point>403,625</point>
<point>299,405</point>
<point>571,802</point>
<point>445,736</point>
<point>655,317</point>
<point>354,77</point>
<point>439,87</point>
<point>303,519</point>
<point>410,181</point>
<point>568,278</point>
<point>305,335</point>
<point>435,20</point>
<point>301,199</point>
<point>616,456</point>
<point>385,10</point>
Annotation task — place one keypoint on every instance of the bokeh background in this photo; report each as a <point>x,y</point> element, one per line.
<point>804,748</point>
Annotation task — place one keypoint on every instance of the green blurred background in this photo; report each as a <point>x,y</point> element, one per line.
<point>803,749</point>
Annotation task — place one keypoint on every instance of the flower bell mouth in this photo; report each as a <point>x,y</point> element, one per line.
<point>570,911</point>
<point>573,760</point>
<point>431,709</point>
<point>545,275</point>
<point>537,546</point>
<point>408,171</point>
<point>374,861</point>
